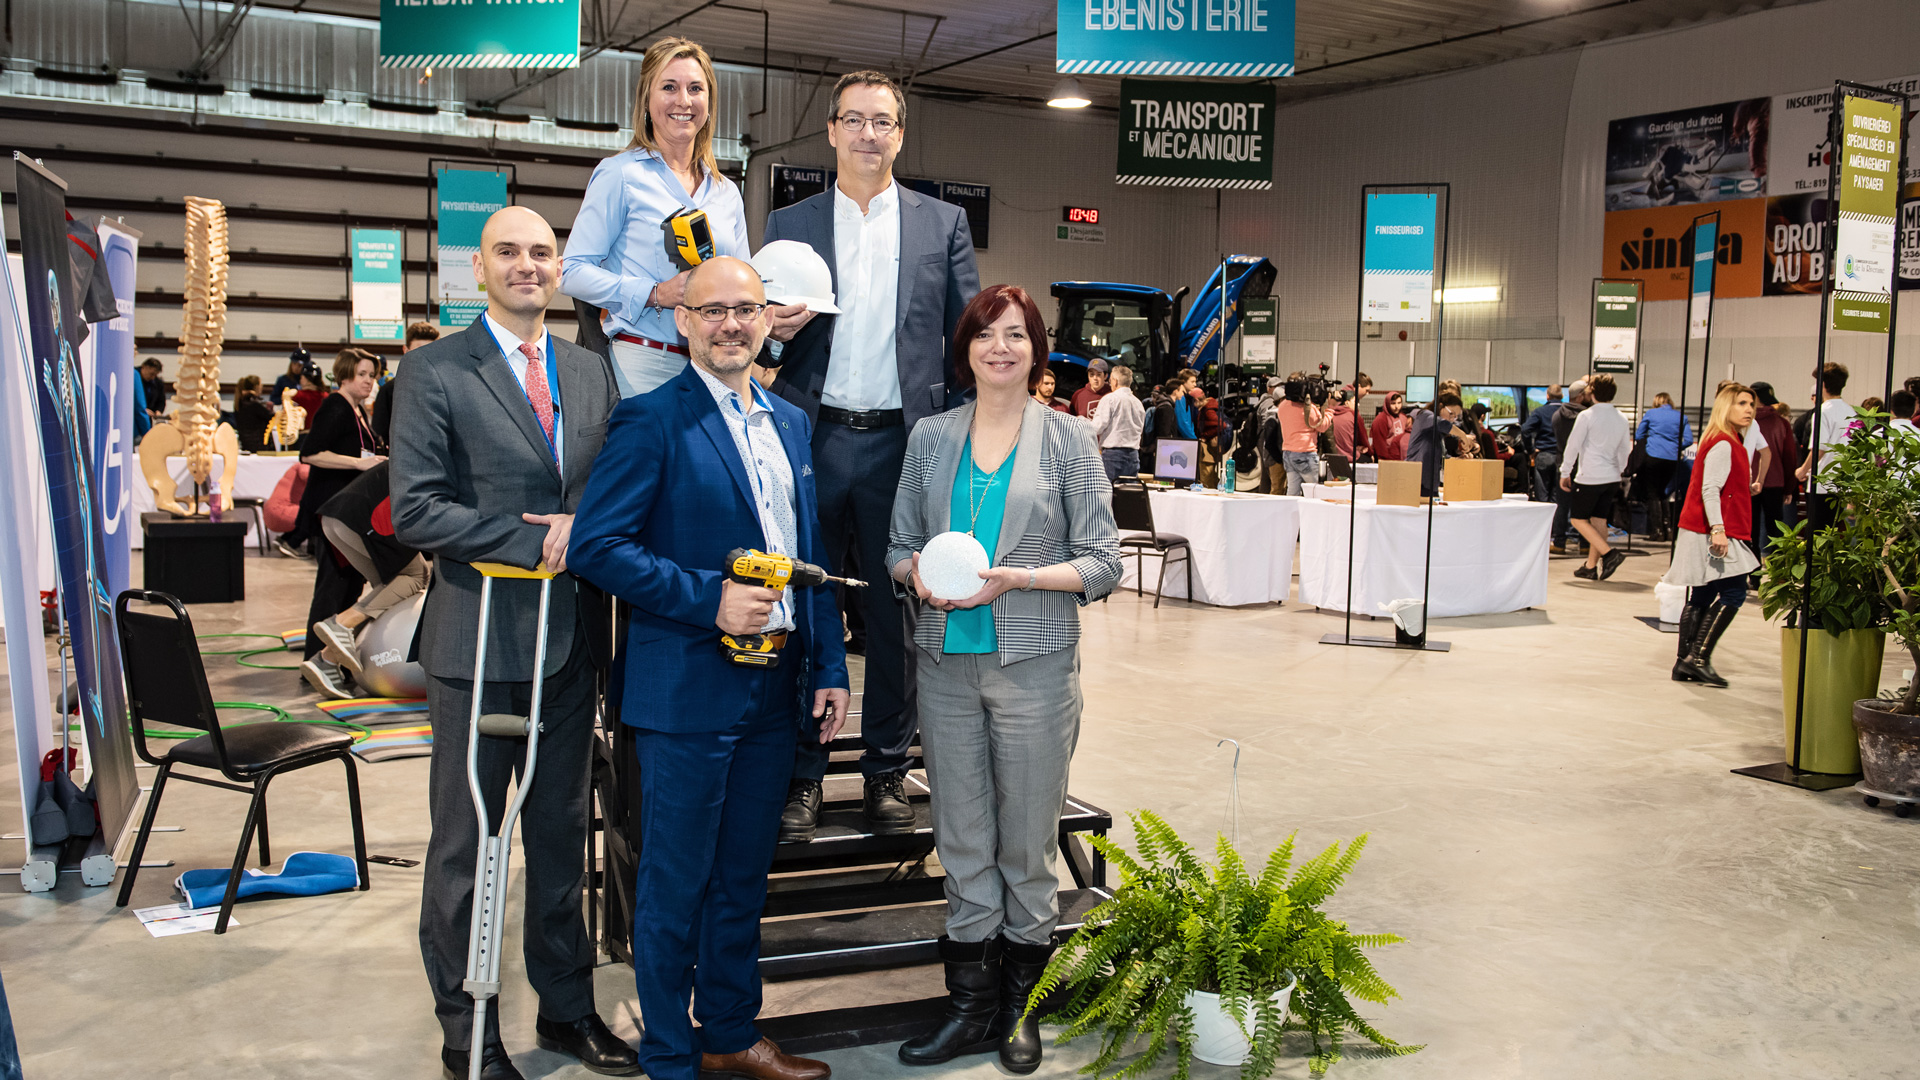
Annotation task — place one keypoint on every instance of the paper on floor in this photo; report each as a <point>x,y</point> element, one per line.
<point>167,920</point>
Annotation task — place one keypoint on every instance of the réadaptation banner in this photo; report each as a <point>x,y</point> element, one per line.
<point>378,288</point>
<point>1195,134</point>
<point>1182,38</point>
<point>1706,237</point>
<point>1397,257</point>
<point>465,199</point>
<point>1616,325</point>
<point>1869,201</point>
<point>489,34</point>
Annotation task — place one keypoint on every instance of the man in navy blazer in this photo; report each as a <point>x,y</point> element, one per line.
<point>903,271</point>
<point>707,463</point>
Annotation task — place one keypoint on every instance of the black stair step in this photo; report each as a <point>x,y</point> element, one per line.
<point>864,894</point>
<point>843,832</point>
<point>883,938</point>
<point>863,1025</point>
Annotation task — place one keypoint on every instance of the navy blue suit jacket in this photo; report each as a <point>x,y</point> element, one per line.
<point>669,497</point>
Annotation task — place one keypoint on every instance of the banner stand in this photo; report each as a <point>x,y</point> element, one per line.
<point>1437,283</point>
<point>1789,772</point>
<point>1611,291</point>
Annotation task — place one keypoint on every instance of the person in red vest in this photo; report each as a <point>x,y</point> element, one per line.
<point>1710,554</point>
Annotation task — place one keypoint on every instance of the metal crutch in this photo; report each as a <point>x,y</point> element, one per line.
<point>490,873</point>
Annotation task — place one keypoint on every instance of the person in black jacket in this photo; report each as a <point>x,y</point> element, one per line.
<point>252,412</point>
<point>339,446</point>
<point>358,523</point>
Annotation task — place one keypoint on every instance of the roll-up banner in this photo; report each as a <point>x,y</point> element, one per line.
<point>377,288</point>
<point>1196,134</point>
<point>1616,325</point>
<point>112,382</point>
<point>1868,140</point>
<point>73,489</point>
<point>1259,336</point>
<point>1222,39</point>
<point>491,34</point>
<point>1397,256</point>
<point>466,198</point>
<point>1706,235</point>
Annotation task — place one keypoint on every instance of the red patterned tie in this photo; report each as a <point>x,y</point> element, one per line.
<point>538,392</point>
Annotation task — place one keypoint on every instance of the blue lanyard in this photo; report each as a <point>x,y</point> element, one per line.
<point>553,385</point>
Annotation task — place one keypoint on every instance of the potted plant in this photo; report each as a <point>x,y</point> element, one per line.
<point>1215,962</point>
<point>1877,474</point>
<point>1844,639</point>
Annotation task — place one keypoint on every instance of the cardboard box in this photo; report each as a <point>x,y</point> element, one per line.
<point>1473,480</point>
<point>1399,484</point>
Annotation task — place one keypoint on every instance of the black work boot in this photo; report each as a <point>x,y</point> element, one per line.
<point>802,813</point>
<point>1699,661</point>
<point>1689,629</point>
<point>1021,966</point>
<point>884,804</point>
<point>973,987</point>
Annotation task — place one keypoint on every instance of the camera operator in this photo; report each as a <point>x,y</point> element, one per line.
<point>1301,419</point>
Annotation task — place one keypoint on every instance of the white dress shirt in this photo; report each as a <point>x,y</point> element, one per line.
<point>517,363</point>
<point>768,472</point>
<point>1596,451</point>
<point>863,371</point>
<point>1835,417</point>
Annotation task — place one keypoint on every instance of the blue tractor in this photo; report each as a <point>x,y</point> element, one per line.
<point>1140,326</point>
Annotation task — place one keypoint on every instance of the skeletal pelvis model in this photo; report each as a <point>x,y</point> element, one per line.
<point>195,429</point>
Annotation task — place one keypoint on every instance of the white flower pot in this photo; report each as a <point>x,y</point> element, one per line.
<point>1216,1038</point>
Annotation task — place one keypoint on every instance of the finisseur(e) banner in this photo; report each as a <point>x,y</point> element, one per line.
<point>1195,134</point>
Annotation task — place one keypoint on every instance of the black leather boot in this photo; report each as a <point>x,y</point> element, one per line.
<point>1699,661</point>
<point>801,815</point>
<point>973,984</point>
<point>1689,629</point>
<point>1021,966</point>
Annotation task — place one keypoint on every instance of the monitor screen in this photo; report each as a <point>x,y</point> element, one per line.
<point>1177,459</point>
<point>1536,397</point>
<point>1503,402</point>
<point>1420,389</point>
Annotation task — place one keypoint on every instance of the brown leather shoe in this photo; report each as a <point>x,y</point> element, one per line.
<point>763,1061</point>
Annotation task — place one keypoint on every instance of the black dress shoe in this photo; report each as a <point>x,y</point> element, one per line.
<point>885,805</point>
<point>494,1064</point>
<point>802,813</point>
<point>589,1039</point>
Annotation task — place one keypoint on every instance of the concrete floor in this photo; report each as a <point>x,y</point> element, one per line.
<point>1585,889</point>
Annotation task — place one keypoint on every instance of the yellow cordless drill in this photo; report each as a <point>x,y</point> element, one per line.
<point>751,567</point>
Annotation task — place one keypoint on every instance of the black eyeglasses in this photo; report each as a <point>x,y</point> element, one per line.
<point>883,126</point>
<point>714,313</point>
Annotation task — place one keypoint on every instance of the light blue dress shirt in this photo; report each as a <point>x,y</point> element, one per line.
<point>768,472</point>
<point>617,251</point>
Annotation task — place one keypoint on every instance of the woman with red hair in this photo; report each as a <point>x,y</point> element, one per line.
<point>998,673</point>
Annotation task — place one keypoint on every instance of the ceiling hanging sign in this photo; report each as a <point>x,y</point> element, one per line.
<point>1195,134</point>
<point>1222,39</point>
<point>1868,145</point>
<point>488,34</point>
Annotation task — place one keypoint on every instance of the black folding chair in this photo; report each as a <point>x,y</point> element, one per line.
<point>1133,514</point>
<point>166,684</point>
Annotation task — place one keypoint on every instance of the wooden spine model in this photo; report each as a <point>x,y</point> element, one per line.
<point>203,326</point>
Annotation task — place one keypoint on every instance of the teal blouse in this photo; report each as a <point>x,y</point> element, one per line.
<point>971,631</point>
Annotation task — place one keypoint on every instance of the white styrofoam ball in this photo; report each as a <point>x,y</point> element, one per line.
<point>951,563</point>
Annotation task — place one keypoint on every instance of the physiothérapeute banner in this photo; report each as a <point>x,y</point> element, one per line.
<point>490,34</point>
<point>1397,257</point>
<point>1195,134</point>
<point>73,489</point>
<point>1220,39</point>
<point>1868,142</point>
<point>378,289</point>
<point>466,199</point>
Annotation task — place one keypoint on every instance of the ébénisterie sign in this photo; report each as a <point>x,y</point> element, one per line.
<point>1212,38</point>
<point>480,33</point>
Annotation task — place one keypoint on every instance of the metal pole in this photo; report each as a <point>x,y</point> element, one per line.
<point>1359,328</point>
<point>1439,339</point>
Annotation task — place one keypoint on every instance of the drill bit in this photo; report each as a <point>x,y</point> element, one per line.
<point>851,582</point>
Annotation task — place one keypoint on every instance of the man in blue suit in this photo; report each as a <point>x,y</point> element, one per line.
<point>707,463</point>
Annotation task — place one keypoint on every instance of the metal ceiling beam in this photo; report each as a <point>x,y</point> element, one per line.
<point>214,49</point>
<point>1457,38</point>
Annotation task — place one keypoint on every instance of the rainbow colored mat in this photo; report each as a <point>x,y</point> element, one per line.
<point>400,728</point>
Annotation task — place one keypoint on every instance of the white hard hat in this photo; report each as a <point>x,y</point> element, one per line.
<point>794,273</point>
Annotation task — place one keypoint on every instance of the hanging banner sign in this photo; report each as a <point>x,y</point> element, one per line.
<point>1616,324</point>
<point>377,287</point>
<point>1697,155</point>
<point>490,34</point>
<point>466,199</point>
<point>1223,39</point>
<point>1259,336</point>
<point>1802,155</point>
<point>1868,142</point>
<point>1196,134</point>
<point>1654,246</point>
<point>1396,271</point>
<point>1706,234</point>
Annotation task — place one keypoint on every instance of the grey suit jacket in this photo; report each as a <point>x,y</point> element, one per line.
<point>937,279</point>
<point>468,458</point>
<point>1059,510</point>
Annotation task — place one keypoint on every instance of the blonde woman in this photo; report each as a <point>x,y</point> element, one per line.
<point>1710,554</point>
<point>616,256</point>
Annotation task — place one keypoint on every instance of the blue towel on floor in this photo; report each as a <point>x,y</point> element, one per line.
<point>305,873</point>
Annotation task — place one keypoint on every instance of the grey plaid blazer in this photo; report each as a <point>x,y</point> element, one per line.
<point>1059,510</point>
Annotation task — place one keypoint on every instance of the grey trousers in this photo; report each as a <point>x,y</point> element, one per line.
<point>998,741</point>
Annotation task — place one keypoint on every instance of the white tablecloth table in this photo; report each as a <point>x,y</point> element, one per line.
<point>1368,492</point>
<point>1488,557</point>
<point>256,479</point>
<point>1241,546</point>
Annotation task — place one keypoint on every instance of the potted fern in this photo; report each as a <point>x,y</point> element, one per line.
<point>1214,962</point>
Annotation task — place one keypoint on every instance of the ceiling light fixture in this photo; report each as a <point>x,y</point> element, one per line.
<point>1471,294</point>
<point>1068,94</point>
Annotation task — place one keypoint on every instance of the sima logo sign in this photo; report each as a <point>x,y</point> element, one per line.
<point>1652,252</point>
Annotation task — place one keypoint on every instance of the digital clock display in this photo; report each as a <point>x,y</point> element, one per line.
<point>1080,215</point>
